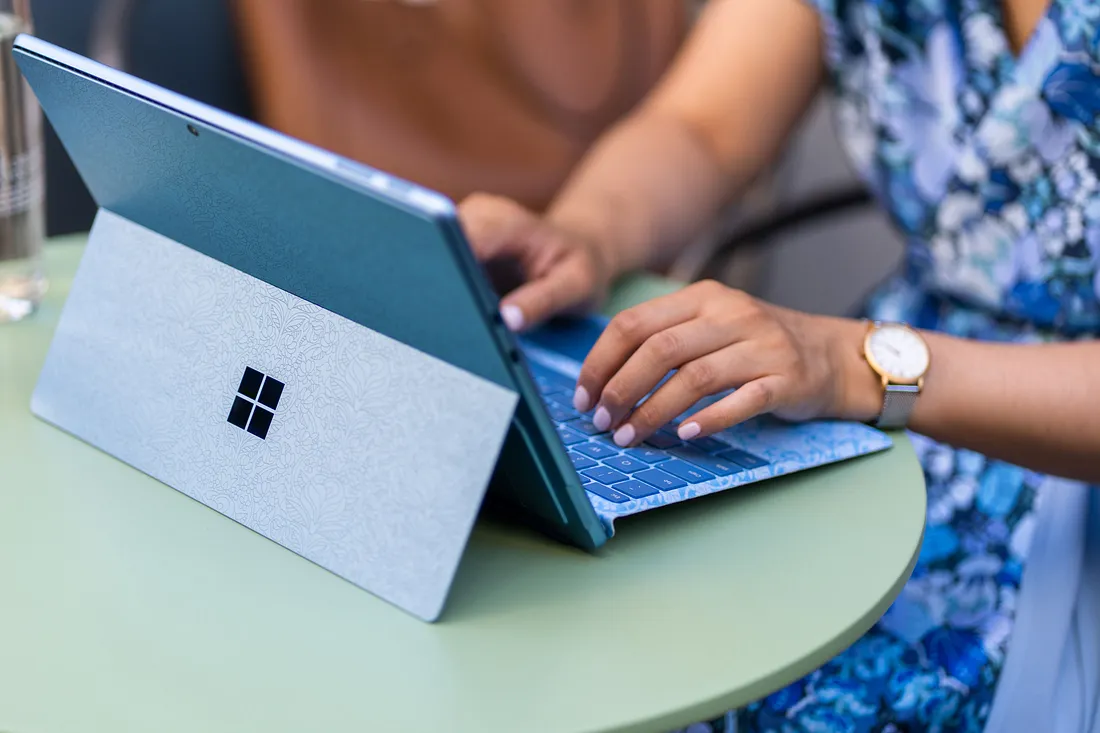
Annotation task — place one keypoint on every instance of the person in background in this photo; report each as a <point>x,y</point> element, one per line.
<point>975,124</point>
<point>457,95</point>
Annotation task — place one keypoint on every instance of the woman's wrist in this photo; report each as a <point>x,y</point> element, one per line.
<point>859,388</point>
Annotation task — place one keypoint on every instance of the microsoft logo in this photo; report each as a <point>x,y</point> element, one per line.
<point>256,393</point>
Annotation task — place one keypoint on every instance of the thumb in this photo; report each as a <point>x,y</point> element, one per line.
<point>495,226</point>
<point>564,287</point>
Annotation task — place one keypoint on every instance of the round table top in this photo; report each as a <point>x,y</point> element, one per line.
<point>128,606</point>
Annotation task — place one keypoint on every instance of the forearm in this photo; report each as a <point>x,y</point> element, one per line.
<point>722,114</point>
<point>1037,406</point>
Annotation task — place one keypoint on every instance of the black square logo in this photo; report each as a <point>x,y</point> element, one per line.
<point>256,393</point>
<point>271,392</point>
<point>250,383</point>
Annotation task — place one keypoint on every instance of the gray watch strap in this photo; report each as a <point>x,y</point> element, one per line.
<point>897,404</point>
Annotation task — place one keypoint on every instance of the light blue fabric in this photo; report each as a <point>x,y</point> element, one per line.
<point>1040,688</point>
<point>988,164</point>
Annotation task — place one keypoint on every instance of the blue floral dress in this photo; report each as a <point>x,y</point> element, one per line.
<point>988,163</point>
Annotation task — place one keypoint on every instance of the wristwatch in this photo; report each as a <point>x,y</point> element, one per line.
<point>900,356</point>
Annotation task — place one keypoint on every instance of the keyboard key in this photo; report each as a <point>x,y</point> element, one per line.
<point>562,400</point>
<point>570,437</point>
<point>585,426</point>
<point>648,455</point>
<point>549,379</point>
<point>687,472</point>
<point>547,388</point>
<point>663,440</point>
<point>743,458</point>
<point>625,464</point>
<point>635,489</point>
<point>608,493</point>
<point>596,450</point>
<point>559,414</point>
<point>605,475</point>
<point>709,445</point>
<point>660,479</point>
<point>581,462</point>
<point>714,464</point>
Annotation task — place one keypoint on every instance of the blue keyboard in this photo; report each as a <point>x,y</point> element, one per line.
<point>662,463</point>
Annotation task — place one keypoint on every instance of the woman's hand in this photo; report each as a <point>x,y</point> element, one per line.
<point>552,270</point>
<point>795,365</point>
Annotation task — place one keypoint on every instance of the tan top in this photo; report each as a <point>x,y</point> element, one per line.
<point>459,95</point>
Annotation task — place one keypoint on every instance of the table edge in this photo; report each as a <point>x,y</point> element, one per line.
<point>765,685</point>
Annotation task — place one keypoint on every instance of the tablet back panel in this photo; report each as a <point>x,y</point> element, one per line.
<point>213,338</point>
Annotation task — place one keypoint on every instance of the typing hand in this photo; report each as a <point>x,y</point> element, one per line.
<point>795,365</point>
<point>556,271</point>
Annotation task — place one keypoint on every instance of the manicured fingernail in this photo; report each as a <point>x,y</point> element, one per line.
<point>581,401</point>
<point>624,436</point>
<point>689,430</point>
<point>513,317</point>
<point>602,418</point>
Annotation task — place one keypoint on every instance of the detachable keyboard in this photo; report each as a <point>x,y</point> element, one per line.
<point>661,463</point>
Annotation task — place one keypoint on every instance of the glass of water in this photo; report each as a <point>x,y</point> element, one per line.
<point>22,184</point>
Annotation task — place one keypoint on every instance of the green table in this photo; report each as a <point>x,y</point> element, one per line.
<point>129,607</point>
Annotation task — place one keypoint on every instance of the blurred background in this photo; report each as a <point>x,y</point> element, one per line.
<point>465,95</point>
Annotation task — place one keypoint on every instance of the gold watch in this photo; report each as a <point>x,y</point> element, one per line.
<point>900,356</point>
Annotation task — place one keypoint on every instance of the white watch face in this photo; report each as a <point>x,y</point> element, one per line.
<point>899,351</point>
